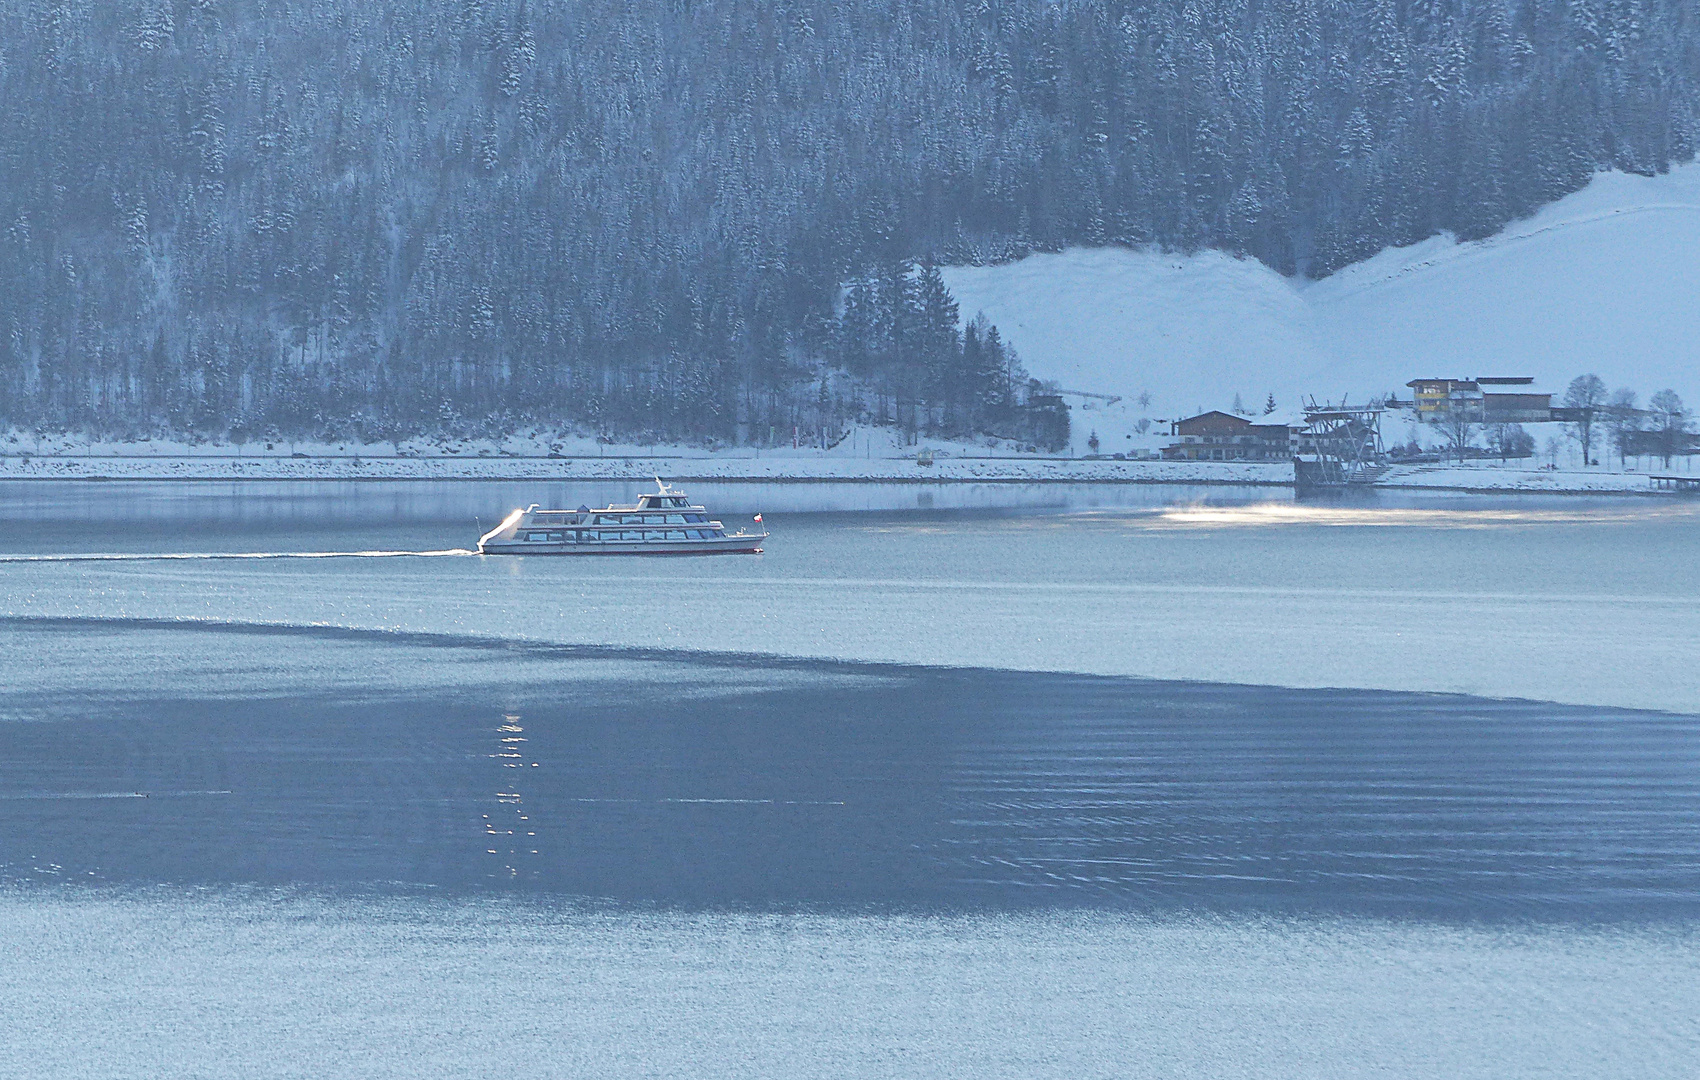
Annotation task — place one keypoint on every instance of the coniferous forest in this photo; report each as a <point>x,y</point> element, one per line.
<point>707,219</point>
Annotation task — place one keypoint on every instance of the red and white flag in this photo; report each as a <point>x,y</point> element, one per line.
<point>758,517</point>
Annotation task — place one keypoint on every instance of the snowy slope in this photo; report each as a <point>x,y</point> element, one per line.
<point>1606,280</point>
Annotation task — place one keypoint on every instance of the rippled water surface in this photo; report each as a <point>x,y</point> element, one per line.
<point>649,777</point>
<point>1046,781</point>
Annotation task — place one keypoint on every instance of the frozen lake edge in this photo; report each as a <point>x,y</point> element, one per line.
<point>795,469</point>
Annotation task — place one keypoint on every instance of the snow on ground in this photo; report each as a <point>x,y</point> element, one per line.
<point>874,454</point>
<point>867,454</point>
<point>1494,477</point>
<point>1605,280</point>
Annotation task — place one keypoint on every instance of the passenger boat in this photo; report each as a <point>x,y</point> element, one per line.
<point>663,522</point>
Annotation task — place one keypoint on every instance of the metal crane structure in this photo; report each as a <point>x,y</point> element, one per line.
<point>1339,448</point>
<point>1107,399</point>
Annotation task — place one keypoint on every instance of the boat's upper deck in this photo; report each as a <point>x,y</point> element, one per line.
<point>657,508</point>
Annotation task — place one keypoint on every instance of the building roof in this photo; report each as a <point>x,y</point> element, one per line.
<point>1213,413</point>
<point>1498,382</point>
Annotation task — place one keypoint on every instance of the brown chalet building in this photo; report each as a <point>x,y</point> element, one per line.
<point>1220,436</point>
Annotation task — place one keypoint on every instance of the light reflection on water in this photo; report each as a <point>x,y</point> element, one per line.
<point>510,828</point>
<point>1263,514</point>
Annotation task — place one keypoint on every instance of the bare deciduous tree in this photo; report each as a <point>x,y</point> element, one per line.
<point>1624,418</point>
<point>1459,429</point>
<point>1584,399</point>
<point>1671,419</point>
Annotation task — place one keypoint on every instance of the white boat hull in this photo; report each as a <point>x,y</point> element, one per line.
<point>724,545</point>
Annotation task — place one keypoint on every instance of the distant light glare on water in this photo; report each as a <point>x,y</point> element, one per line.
<point>1200,515</point>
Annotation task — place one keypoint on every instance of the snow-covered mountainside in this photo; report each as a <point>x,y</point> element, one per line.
<point>1606,280</point>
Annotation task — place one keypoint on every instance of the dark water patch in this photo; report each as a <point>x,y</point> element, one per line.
<point>919,788</point>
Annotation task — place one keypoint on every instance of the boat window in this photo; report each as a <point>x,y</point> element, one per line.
<point>675,519</point>
<point>536,536</point>
<point>695,517</point>
<point>675,534</point>
<point>631,536</point>
<point>655,535</point>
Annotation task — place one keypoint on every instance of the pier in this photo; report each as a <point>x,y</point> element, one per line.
<point>1686,484</point>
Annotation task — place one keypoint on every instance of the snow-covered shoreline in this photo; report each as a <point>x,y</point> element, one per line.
<point>1491,478</point>
<point>779,467</point>
<point>866,455</point>
<point>767,468</point>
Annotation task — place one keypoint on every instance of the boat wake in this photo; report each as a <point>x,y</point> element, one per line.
<point>51,795</point>
<point>201,555</point>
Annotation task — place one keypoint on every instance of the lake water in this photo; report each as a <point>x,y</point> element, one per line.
<point>954,780</point>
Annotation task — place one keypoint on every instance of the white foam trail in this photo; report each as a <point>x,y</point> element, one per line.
<point>32,796</point>
<point>201,555</point>
<point>725,802</point>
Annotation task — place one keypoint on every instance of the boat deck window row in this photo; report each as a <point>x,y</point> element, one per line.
<point>546,518</point>
<point>591,536</point>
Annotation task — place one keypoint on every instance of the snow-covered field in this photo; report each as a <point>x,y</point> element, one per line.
<point>868,455</point>
<point>1606,281</point>
<point>1492,477</point>
<point>640,466</point>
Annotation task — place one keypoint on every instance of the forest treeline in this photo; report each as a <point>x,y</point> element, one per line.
<point>715,218</point>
